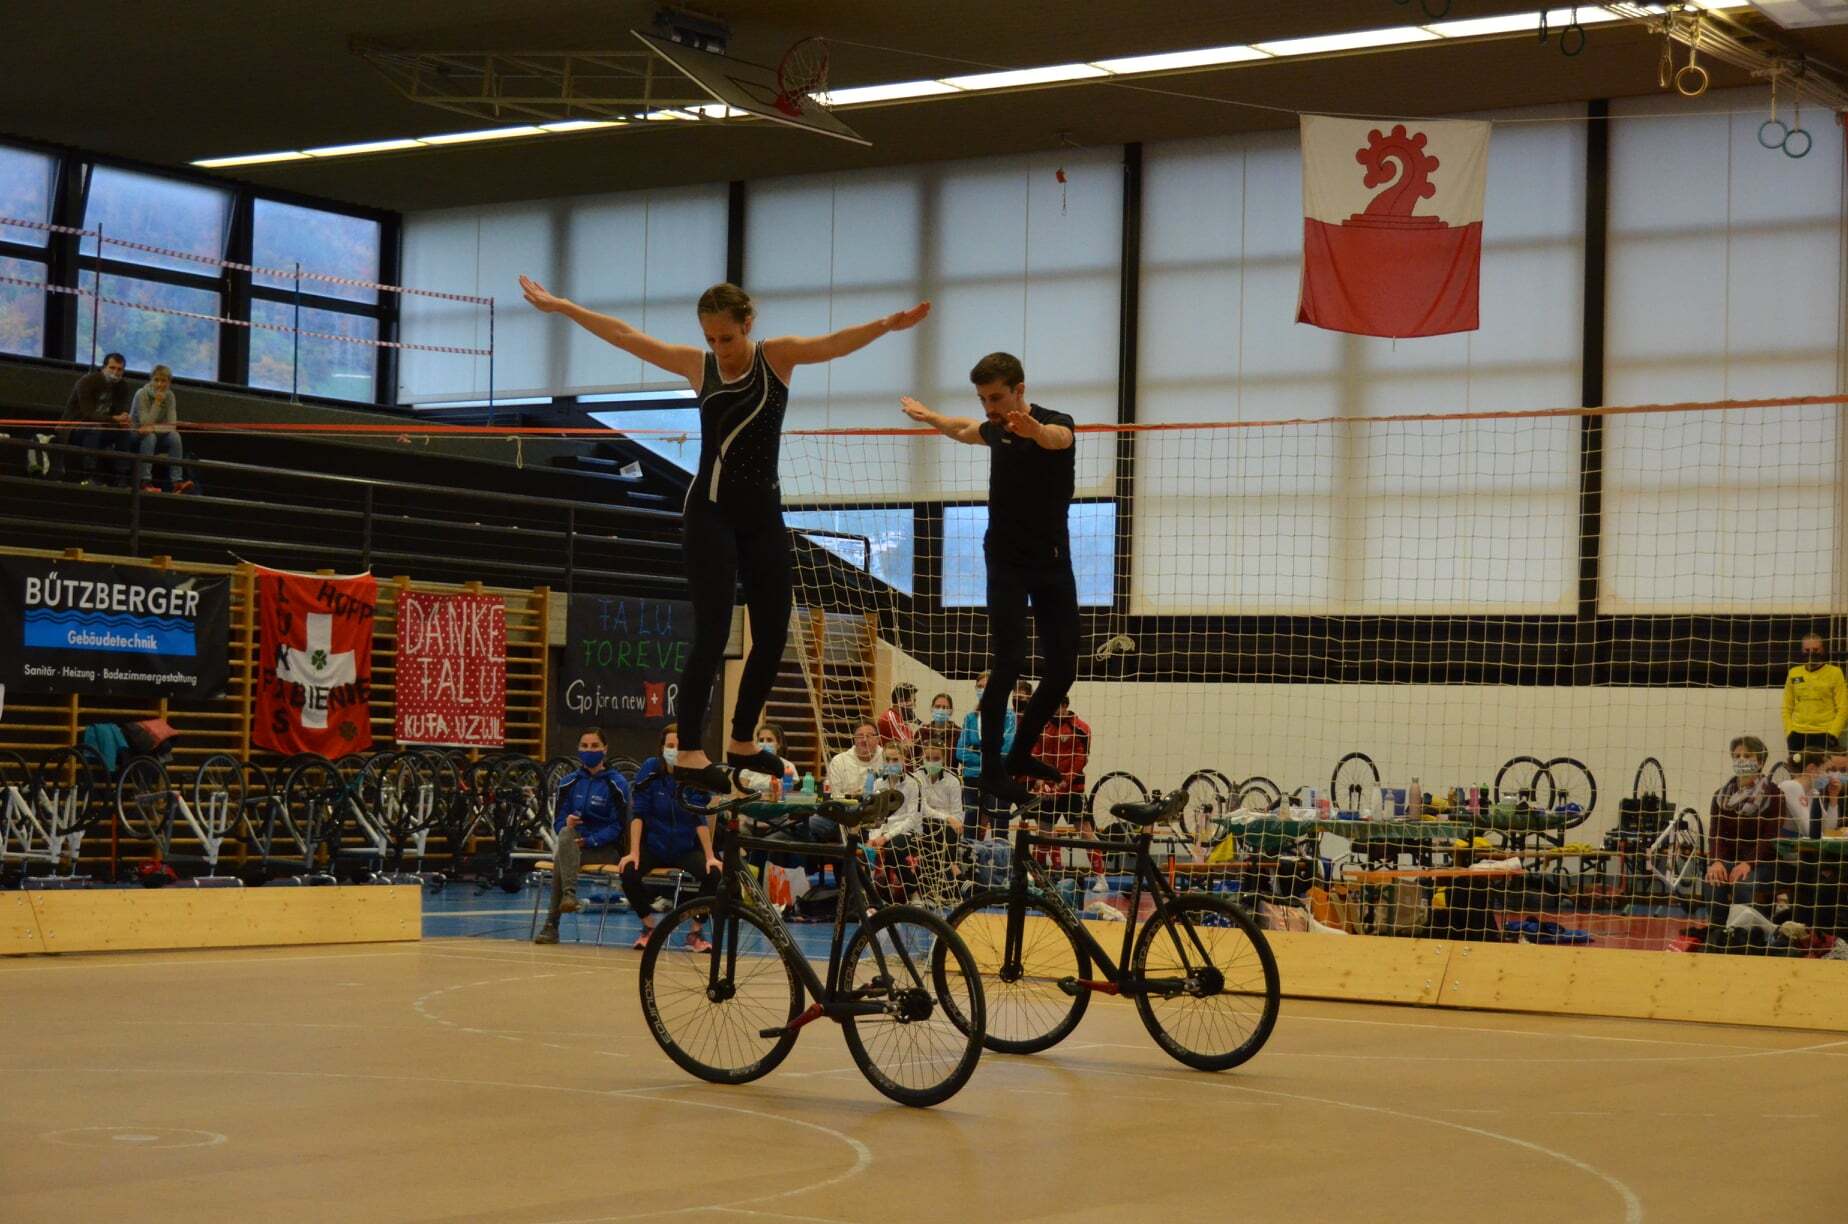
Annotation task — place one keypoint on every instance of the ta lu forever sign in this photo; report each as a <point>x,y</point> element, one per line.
<point>452,670</point>
<point>623,659</point>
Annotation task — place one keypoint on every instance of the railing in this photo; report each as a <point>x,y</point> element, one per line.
<point>434,532</point>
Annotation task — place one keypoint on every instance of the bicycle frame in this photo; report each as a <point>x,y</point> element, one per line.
<point>1117,979</point>
<point>738,889</point>
<point>27,832</point>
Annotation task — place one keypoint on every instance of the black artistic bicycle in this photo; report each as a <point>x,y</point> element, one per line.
<point>899,982</point>
<point>1201,973</point>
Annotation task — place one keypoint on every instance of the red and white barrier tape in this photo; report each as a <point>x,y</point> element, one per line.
<point>254,270</point>
<point>275,327</point>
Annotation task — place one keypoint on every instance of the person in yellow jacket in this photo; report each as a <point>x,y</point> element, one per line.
<point>1815,701</point>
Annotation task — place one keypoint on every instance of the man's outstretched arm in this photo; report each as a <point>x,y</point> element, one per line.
<point>962,429</point>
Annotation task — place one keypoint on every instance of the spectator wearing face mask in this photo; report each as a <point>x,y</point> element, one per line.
<point>941,791</point>
<point>665,833</point>
<point>942,730</point>
<point>899,724</point>
<point>979,809</point>
<point>589,812</point>
<point>1742,829</point>
<point>770,740</point>
<point>1812,798</point>
<point>1815,701</point>
<point>98,415</point>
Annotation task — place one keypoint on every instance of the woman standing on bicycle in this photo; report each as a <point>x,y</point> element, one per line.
<point>733,517</point>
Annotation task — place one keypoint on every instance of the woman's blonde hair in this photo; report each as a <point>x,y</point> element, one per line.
<point>161,371</point>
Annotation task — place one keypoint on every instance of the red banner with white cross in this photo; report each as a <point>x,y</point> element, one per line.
<point>451,674</point>
<point>314,675</point>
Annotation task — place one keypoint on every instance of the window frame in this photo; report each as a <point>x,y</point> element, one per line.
<point>65,264</point>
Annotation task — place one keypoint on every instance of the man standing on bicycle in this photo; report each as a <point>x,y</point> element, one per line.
<point>1028,550</point>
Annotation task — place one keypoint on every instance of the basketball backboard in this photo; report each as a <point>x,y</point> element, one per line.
<point>747,87</point>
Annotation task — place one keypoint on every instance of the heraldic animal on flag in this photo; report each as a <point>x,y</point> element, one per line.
<point>1392,225</point>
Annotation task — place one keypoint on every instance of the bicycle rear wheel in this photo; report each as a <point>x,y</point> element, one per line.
<point>144,800</point>
<point>1027,1012</point>
<point>713,1027</point>
<point>922,1048</point>
<point>1223,1001</point>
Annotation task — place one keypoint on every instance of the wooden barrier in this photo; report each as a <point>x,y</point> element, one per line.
<point>1773,992</point>
<point>1777,992</point>
<point>140,920</point>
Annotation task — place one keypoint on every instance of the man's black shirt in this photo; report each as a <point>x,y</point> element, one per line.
<point>1029,493</point>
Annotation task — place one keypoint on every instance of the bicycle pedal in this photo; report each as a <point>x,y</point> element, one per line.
<point>773,1032</point>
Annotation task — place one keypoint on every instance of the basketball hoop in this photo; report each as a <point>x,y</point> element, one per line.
<point>802,73</point>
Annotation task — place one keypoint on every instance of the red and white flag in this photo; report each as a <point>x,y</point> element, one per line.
<point>1392,225</point>
<point>314,676</point>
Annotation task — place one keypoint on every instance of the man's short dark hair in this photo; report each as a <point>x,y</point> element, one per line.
<point>598,732</point>
<point>866,722</point>
<point>998,367</point>
<point>109,357</point>
<point>904,692</point>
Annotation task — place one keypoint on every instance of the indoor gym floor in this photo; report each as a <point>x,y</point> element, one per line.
<point>470,1078</point>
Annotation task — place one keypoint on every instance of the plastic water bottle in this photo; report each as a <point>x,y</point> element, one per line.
<point>808,785</point>
<point>867,790</point>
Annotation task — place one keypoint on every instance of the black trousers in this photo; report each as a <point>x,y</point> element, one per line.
<point>693,862</point>
<point>1050,592</point>
<point>721,549</point>
<point>1809,741</point>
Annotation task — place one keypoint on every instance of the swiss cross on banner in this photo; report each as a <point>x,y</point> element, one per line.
<point>1392,225</point>
<point>314,675</point>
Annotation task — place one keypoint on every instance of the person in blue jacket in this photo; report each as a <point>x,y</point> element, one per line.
<point>589,812</point>
<point>662,833</point>
<point>976,810</point>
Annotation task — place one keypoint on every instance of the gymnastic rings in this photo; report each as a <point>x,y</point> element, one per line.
<point>1571,39</point>
<point>1691,80</point>
<point>1794,141</point>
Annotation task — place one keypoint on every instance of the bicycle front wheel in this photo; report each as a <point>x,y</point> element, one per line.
<point>1212,983</point>
<point>1027,1009</point>
<point>924,1043</point>
<point>709,1010</point>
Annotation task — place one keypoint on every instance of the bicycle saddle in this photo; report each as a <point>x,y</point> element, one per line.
<point>875,810</point>
<point>1160,808</point>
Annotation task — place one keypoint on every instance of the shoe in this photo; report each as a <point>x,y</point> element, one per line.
<point>568,904</point>
<point>698,943</point>
<point>185,486</point>
<point>641,941</point>
<point>758,762</point>
<point>150,488</point>
<point>1032,767</point>
<point>547,935</point>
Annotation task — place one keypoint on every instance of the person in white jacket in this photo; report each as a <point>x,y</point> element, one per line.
<point>942,792</point>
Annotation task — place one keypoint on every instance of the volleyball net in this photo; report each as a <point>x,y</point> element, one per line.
<point>1468,675</point>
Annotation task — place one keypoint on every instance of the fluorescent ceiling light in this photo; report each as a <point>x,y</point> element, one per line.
<point>1015,77</point>
<point>666,114</point>
<point>886,93</point>
<point>484,134</point>
<point>250,159</point>
<point>1511,23</point>
<point>370,146</point>
<point>1204,57</point>
<point>581,125</point>
<point>1351,41</point>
